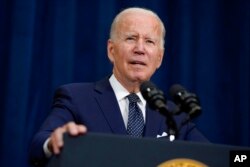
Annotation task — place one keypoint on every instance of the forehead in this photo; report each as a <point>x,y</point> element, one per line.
<point>140,22</point>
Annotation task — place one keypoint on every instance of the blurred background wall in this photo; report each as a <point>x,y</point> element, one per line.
<point>47,43</point>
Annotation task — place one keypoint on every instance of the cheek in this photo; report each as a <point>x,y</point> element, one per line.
<point>122,54</point>
<point>155,60</point>
<point>158,59</point>
<point>120,59</point>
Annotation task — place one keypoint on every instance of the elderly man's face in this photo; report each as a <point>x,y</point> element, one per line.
<point>136,50</point>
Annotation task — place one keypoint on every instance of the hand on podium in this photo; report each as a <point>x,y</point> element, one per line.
<point>56,139</point>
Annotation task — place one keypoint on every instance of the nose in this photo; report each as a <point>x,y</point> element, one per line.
<point>140,48</point>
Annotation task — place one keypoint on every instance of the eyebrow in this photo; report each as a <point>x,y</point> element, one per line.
<point>136,35</point>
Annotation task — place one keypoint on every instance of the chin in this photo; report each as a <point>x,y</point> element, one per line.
<point>140,79</point>
<point>139,76</point>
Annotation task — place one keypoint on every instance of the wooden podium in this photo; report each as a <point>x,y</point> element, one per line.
<point>105,150</point>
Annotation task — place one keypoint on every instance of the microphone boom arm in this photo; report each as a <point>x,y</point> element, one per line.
<point>170,122</point>
<point>157,101</point>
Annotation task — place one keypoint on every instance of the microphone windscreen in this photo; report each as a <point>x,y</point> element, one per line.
<point>146,89</point>
<point>175,89</point>
<point>145,85</point>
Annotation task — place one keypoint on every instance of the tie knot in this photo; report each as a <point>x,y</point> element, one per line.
<point>133,98</point>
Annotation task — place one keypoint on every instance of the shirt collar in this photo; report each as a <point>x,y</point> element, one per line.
<point>122,92</point>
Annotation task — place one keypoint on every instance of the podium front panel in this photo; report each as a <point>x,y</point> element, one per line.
<point>105,150</point>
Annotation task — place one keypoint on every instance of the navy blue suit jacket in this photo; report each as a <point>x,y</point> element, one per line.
<point>95,105</point>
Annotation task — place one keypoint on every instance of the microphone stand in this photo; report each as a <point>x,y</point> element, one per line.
<point>170,122</point>
<point>156,101</point>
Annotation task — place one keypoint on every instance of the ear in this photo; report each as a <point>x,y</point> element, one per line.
<point>160,58</point>
<point>110,50</point>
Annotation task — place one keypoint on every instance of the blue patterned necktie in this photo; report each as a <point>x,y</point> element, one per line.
<point>135,125</point>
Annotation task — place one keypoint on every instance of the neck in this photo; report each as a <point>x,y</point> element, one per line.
<point>130,86</point>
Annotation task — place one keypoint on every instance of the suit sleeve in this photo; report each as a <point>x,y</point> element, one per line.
<point>193,134</point>
<point>187,131</point>
<point>63,111</point>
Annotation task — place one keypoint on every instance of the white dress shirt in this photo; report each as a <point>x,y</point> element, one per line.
<point>121,96</point>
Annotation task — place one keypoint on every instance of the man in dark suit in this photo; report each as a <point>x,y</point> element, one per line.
<point>136,49</point>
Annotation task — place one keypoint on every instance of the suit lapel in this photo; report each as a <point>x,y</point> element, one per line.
<point>106,99</point>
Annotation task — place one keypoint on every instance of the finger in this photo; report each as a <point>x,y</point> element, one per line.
<point>74,129</point>
<point>71,128</point>
<point>57,139</point>
<point>55,148</point>
<point>82,129</point>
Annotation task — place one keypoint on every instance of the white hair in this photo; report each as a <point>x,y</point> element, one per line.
<point>136,9</point>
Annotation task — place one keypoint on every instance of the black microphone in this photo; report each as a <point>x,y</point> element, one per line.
<point>187,102</point>
<point>153,96</point>
<point>156,100</point>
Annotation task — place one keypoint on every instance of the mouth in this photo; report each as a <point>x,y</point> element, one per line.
<point>138,63</point>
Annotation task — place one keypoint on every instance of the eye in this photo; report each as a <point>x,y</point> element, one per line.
<point>150,41</point>
<point>130,38</point>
